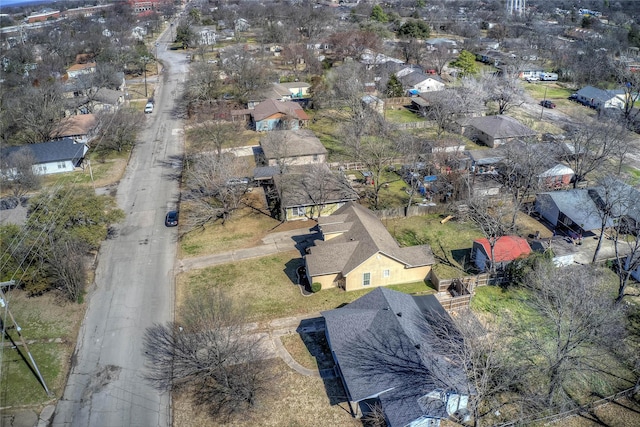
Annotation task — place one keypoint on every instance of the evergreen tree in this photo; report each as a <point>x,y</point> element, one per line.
<point>377,14</point>
<point>394,87</point>
<point>466,63</point>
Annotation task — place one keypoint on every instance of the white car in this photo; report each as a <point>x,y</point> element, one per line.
<point>148,109</point>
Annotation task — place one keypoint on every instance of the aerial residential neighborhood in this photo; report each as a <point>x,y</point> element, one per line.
<point>317,213</point>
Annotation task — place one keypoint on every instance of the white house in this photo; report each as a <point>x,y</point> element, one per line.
<point>49,157</point>
<point>207,36</point>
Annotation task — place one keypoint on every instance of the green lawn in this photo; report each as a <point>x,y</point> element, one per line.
<point>402,115</point>
<point>266,287</point>
<point>450,242</point>
<point>52,324</point>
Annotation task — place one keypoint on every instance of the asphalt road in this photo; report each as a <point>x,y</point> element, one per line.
<point>134,282</point>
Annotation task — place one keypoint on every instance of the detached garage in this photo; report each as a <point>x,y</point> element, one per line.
<point>506,249</point>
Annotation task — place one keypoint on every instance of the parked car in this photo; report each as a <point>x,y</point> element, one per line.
<point>171,220</point>
<point>148,109</point>
<point>533,79</point>
<point>547,104</point>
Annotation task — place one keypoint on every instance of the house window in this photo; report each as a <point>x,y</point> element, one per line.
<point>366,279</point>
<point>60,165</point>
<point>299,211</point>
<point>315,157</point>
<point>386,273</point>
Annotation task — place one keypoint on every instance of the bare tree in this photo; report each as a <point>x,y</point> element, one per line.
<point>214,134</point>
<point>438,58</point>
<point>494,219</point>
<point>208,356</point>
<point>118,130</point>
<point>19,173</point>
<point>204,83</point>
<point>505,91</point>
<point>575,327</point>
<point>35,111</point>
<point>217,185</point>
<point>521,167</point>
<point>591,146</point>
<point>66,259</point>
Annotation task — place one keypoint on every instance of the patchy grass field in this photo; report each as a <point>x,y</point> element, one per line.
<point>245,229</point>
<point>106,170</point>
<point>50,327</point>
<point>293,400</point>
<point>267,288</point>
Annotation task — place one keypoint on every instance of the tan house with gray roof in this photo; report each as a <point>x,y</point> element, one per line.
<point>357,252</point>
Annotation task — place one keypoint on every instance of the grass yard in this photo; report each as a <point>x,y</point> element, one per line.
<point>106,170</point>
<point>50,326</point>
<point>401,115</point>
<point>311,350</point>
<point>245,229</point>
<point>326,125</point>
<point>293,400</point>
<point>266,287</point>
<point>450,242</point>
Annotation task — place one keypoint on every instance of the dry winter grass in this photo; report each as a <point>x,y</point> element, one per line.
<point>294,400</point>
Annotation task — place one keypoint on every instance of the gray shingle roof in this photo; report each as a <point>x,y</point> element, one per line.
<point>599,94</point>
<point>53,151</point>
<point>369,236</point>
<point>306,185</point>
<point>501,126</point>
<point>385,347</point>
<point>291,143</point>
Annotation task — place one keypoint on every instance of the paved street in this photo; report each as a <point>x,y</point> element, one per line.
<point>134,282</point>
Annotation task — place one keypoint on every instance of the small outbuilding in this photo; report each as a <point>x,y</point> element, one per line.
<point>505,250</point>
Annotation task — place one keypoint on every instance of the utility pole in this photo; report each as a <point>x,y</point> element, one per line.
<point>4,303</point>
<point>145,60</point>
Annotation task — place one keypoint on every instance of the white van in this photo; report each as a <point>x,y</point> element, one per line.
<point>148,109</point>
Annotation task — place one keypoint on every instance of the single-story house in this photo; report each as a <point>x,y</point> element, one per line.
<point>557,176</point>
<point>483,185</point>
<point>601,98</point>
<point>311,191</point>
<point>77,127</point>
<point>51,157</point>
<point>485,161</point>
<point>291,147</point>
<point>438,42</point>
<point>505,250</point>
<point>297,89</point>
<point>357,252</point>
<point>77,70</point>
<point>388,352</point>
<point>623,201</point>
<point>495,130</point>
<point>574,209</point>
<point>273,115</point>
<point>421,82</point>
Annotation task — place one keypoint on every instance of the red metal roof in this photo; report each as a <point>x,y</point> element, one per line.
<point>507,248</point>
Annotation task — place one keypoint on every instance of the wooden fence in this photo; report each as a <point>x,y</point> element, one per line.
<point>405,212</point>
<point>401,100</point>
<point>413,125</point>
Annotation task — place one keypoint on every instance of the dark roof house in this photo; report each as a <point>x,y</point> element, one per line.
<point>495,130</point>
<point>63,155</point>
<point>387,350</point>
